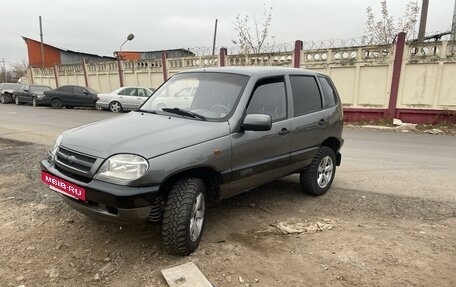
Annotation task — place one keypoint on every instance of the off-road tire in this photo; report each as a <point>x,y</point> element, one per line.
<point>309,179</point>
<point>56,104</point>
<point>176,234</point>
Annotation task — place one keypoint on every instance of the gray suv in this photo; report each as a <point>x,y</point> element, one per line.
<point>242,127</point>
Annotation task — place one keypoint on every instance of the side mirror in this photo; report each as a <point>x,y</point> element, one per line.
<point>257,122</point>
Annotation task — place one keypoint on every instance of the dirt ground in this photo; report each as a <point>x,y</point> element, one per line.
<point>271,236</point>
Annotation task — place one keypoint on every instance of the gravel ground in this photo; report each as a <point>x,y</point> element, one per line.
<point>271,236</point>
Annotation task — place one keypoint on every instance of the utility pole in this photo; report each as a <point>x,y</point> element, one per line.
<point>423,18</point>
<point>453,26</point>
<point>215,37</point>
<point>42,45</point>
<point>4,70</point>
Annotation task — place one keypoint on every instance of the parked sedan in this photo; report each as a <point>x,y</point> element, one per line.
<point>182,99</point>
<point>69,97</point>
<point>125,98</point>
<point>31,94</point>
<point>6,92</point>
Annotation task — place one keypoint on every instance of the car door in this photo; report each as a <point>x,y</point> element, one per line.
<point>309,119</point>
<point>128,98</point>
<point>66,94</point>
<point>258,156</point>
<point>79,97</point>
<point>142,95</point>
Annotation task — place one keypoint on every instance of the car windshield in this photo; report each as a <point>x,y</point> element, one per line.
<point>212,96</point>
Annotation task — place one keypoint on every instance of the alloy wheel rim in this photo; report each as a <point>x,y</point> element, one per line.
<point>115,107</point>
<point>325,171</point>
<point>197,217</point>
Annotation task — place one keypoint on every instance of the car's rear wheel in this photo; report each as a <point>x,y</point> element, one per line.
<point>115,107</point>
<point>17,100</point>
<point>318,177</point>
<point>183,217</point>
<point>56,104</point>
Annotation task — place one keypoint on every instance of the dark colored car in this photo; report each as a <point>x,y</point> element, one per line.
<point>30,94</point>
<point>6,92</point>
<point>69,97</point>
<point>244,127</point>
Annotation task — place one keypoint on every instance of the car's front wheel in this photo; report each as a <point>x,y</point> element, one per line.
<point>17,101</point>
<point>3,99</point>
<point>115,107</point>
<point>318,177</point>
<point>34,102</point>
<point>183,217</point>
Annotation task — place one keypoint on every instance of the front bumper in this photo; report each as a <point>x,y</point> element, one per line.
<point>111,202</point>
<point>102,105</point>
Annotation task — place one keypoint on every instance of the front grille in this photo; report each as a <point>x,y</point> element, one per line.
<point>74,162</point>
<point>72,175</point>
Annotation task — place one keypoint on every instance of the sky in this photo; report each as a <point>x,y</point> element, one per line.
<point>101,26</point>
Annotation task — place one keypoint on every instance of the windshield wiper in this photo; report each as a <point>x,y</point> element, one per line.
<point>183,112</point>
<point>146,111</point>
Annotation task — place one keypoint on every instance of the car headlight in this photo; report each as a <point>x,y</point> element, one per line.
<point>55,147</point>
<point>124,166</point>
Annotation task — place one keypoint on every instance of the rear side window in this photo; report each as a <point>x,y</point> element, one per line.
<point>128,92</point>
<point>306,95</point>
<point>328,92</point>
<point>79,90</point>
<point>68,89</point>
<point>269,98</point>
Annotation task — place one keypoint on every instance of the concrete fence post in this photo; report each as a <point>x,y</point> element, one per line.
<point>120,71</point>
<point>56,74</point>
<point>165,65</point>
<point>396,78</point>
<point>223,53</point>
<point>30,71</point>
<point>297,54</point>
<point>84,69</point>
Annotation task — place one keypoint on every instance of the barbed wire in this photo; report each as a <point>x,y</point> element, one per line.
<point>312,45</point>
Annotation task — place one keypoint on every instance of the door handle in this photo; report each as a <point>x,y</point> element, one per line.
<point>322,122</point>
<point>284,131</point>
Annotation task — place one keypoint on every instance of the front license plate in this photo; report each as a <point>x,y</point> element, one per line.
<point>57,184</point>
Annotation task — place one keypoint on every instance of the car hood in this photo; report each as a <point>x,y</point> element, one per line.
<point>145,134</point>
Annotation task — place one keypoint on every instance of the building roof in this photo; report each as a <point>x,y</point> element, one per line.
<point>69,51</point>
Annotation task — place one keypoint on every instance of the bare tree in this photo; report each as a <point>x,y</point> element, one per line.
<point>19,68</point>
<point>385,29</point>
<point>253,42</point>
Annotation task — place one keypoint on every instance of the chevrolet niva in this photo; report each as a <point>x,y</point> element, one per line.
<point>244,127</point>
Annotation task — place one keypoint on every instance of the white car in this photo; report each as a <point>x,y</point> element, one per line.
<point>125,98</point>
<point>181,99</point>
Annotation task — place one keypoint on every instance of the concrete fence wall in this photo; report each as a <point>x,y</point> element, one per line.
<point>411,81</point>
